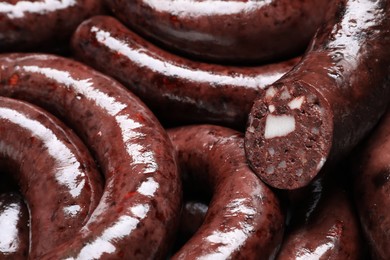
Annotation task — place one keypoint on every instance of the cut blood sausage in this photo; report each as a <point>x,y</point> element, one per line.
<point>140,206</point>
<point>197,92</point>
<point>328,228</point>
<point>232,31</point>
<point>55,172</point>
<point>244,219</point>
<point>323,107</point>
<point>28,24</point>
<point>14,235</point>
<point>372,189</point>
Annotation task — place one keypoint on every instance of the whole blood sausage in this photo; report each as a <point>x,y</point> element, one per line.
<point>197,92</point>
<point>28,24</point>
<point>54,170</point>
<point>14,235</point>
<point>140,206</point>
<point>328,102</point>
<point>244,219</point>
<point>329,230</point>
<point>372,189</point>
<point>192,217</point>
<point>232,31</point>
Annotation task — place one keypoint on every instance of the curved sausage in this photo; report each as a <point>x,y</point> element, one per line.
<point>28,24</point>
<point>14,235</point>
<point>192,217</point>
<point>197,92</point>
<point>372,189</point>
<point>140,206</point>
<point>323,107</point>
<point>330,229</point>
<point>244,219</point>
<point>232,31</point>
<point>54,170</point>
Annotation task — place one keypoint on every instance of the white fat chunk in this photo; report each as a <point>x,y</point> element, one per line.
<point>296,103</point>
<point>277,126</point>
<point>271,108</point>
<point>285,95</point>
<point>270,92</point>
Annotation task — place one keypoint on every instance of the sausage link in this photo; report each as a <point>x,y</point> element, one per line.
<point>323,107</point>
<point>14,218</point>
<point>328,228</point>
<point>55,172</point>
<point>29,24</point>
<point>233,31</point>
<point>372,189</point>
<point>192,217</point>
<point>140,207</point>
<point>244,219</point>
<point>197,92</point>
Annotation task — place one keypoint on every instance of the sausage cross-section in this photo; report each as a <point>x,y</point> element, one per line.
<point>323,107</point>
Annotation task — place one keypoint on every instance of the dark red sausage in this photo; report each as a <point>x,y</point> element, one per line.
<point>192,217</point>
<point>55,172</point>
<point>328,228</point>
<point>14,229</point>
<point>196,92</point>
<point>372,189</point>
<point>140,207</point>
<point>323,107</point>
<point>28,24</point>
<point>232,31</point>
<point>244,219</point>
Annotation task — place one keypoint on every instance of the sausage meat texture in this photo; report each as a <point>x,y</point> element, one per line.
<point>323,107</point>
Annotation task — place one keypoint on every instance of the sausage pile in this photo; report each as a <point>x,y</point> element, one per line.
<point>159,129</point>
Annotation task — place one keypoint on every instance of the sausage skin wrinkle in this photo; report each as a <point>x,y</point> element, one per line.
<point>55,172</point>
<point>29,24</point>
<point>233,31</point>
<point>139,210</point>
<point>197,92</point>
<point>323,107</point>
<point>244,219</point>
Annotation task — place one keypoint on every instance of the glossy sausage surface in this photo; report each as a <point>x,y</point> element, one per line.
<point>55,172</point>
<point>233,31</point>
<point>140,206</point>
<point>326,227</point>
<point>14,226</point>
<point>323,107</point>
<point>195,91</point>
<point>372,189</point>
<point>28,24</point>
<point>244,219</point>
